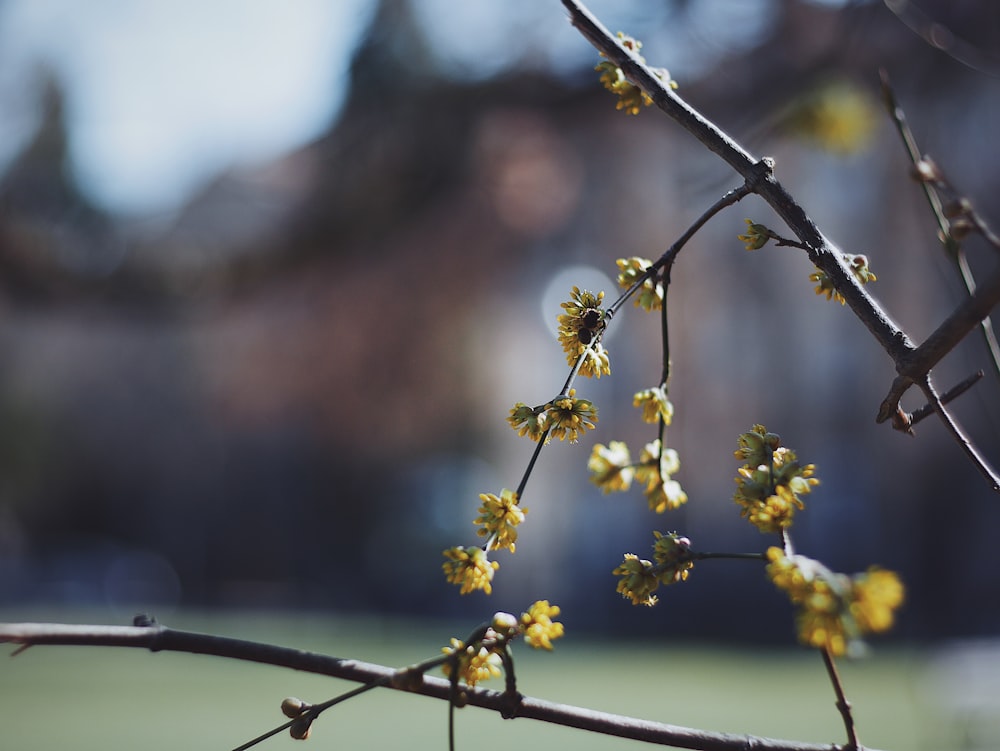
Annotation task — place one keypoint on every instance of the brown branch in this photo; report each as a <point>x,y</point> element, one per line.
<point>843,706</point>
<point>158,638</point>
<point>912,363</point>
<point>951,244</point>
<point>758,174</point>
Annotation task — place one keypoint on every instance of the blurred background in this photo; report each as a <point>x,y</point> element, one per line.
<point>272,277</point>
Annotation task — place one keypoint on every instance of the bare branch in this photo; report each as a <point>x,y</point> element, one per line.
<point>951,245</point>
<point>159,638</point>
<point>912,363</point>
<point>758,174</point>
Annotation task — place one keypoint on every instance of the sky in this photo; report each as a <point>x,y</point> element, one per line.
<point>162,95</point>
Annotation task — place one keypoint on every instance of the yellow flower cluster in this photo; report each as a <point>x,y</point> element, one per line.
<point>640,578</point>
<point>756,236</point>
<point>538,627</point>
<point>650,294</point>
<point>499,518</point>
<point>834,610</point>
<point>483,657</point>
<point>475,662</point>
<point>838,117</point>
<point>654,404</point>
<point>656,466</point>
<point>771,483</point>
<point>611,469</point>
<point>565,418</point>
<point>580,330</point>
<point>858,265</point>
<point>470,568</point>
<point>631,98</point>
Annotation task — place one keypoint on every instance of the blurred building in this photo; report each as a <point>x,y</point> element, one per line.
<point>293,393</point>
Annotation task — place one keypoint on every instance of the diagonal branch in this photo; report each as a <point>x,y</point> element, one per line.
<point>158,638</point>
<point>758,174</point>
<point>912,363</point>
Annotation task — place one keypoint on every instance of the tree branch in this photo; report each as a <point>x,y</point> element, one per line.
<point>158,638</point>
<point>912,363</point>
<point>758,174</point>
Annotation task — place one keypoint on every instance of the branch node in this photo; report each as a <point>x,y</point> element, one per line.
<point>761,172</point>
<point>510,704</point>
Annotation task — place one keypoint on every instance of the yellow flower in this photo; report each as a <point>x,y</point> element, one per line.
<point>595,361</point>
<point>770,485</point>
<point>474,664</point>
<point>611,467</point>
<point>672,553</point>
<point>528,421</point>
<point>656,465</point>
<point>539,628</point>
<point>580,328</point>
<point>666,495</point>
<point>470,568</point>
<point>838,117</point>
<point>630,97</point>
<point>834,611</point>
<point>876,594</point>
<point>757,446</point>
<point>757,235</point>
<point>650,295</point>
<point>858,264</point>
<point>775,513</point>
<point>568,417</point>
<point>638,580</point>
<point>498,520</point>
<point>654,404</point>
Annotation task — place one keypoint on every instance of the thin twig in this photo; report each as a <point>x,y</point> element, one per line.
<point>952,246</point>
<point>950,395</point>
<point>843,706</point>
<point>159,638</point>
<point>758,174</point>
<point>912,363</point>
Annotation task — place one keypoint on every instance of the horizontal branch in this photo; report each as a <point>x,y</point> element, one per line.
<point>158,638</point>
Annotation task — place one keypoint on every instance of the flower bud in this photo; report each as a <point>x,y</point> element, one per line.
<point>292,707</point>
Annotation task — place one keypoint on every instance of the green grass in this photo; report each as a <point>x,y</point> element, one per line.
<point>85,698</point>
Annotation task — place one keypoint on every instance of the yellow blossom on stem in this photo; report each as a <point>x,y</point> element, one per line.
<point>631,98</point>
<point>858,264</point>
<point>569,417</point>
<point>654,404</point>
<point>580,328</point>
<point>528,421</point>
<point>498,520</point>
<point>876,594</point>
<point>833,611</point>
<point>666,495</point>
<point>470,568</point>
<point>474,663</point>
<point>771,484</point>
<point>757,235</point>
<point>638,580</point>
<point>595,361</point>
<point>672,554</point>
<point>650,294</point>
<point>611,467</point>
<point>539,628</point>
<point>655,468</point>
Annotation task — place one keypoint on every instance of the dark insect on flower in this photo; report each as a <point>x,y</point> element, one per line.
<point>589,323</point>
<point>591,318</point>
